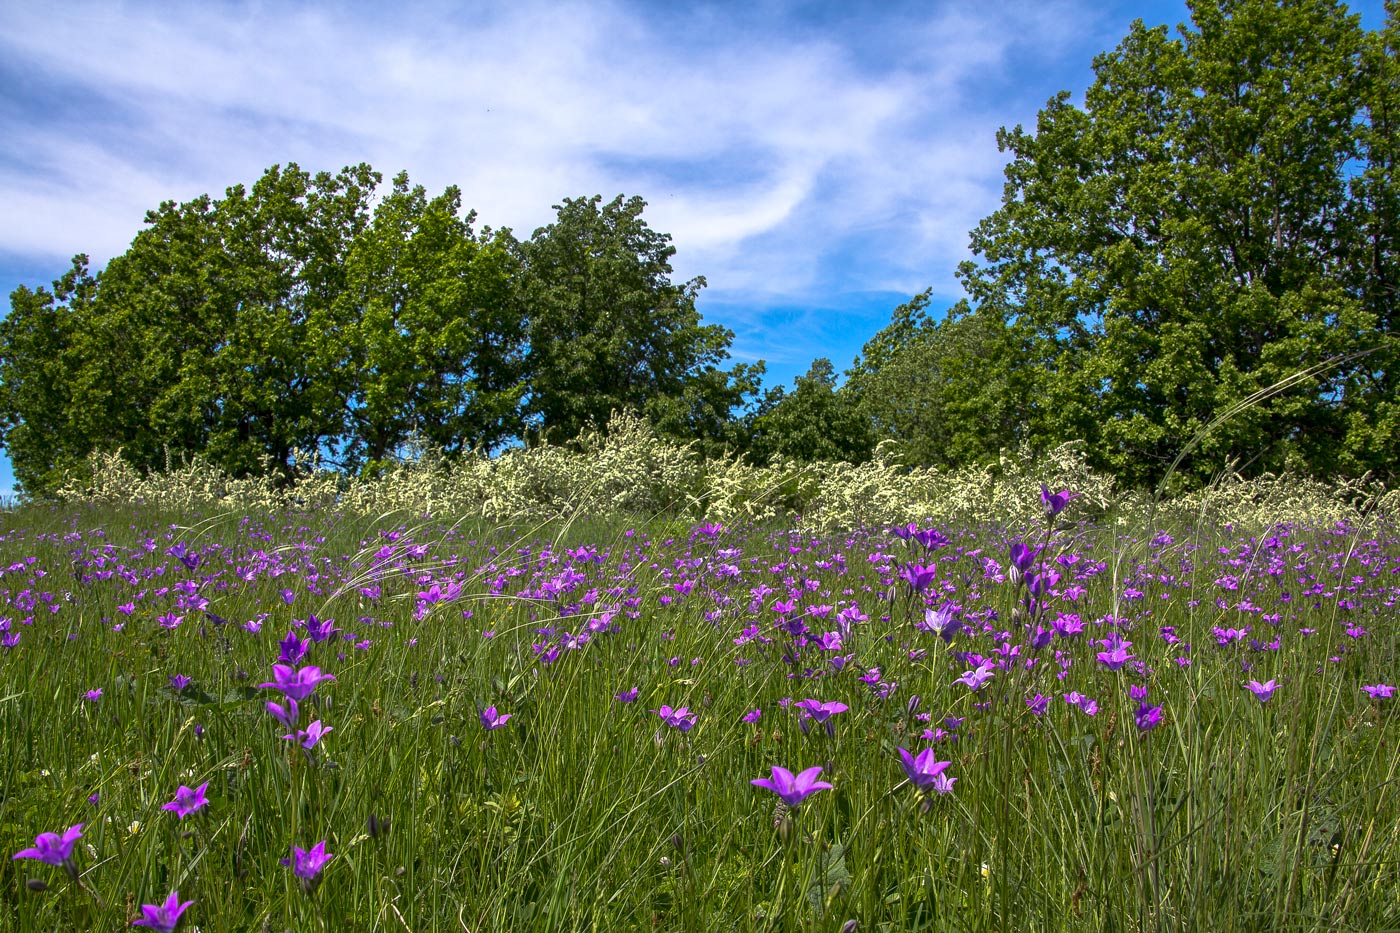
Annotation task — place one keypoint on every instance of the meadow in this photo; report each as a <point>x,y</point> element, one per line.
<point>1044,707</point>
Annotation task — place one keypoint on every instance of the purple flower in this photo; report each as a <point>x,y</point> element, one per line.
<point>942,784</point>
<point>627,696</point>
<point>1039,704</point>
<point>188,558</point>
<point>1055,502</point>
<point>1022,557</point>
<point>974,679</point>
<point>1117,654</point>
<point>293,648</point>
<point>940,622</point>
<point>752,715</point>
<point>163,917</point>
<point>793,789</point>
<point>1148,717</point>
<point>179,682</point>
<point>922,770</point>
<point>1089,706</point>
<point>287,715</point>
<point>53,849</point>
<point>680,718</point>
<point>92,696</point>
<point>312,734</point>
<point>1262,691</point>
<point>931,539</point>
<point>296,684</point>
<point>1380,691</point>
<point>320,630</point>
<point>918,576</point>
<point>492,719</point>
<point>821,712</point>
<point>188,801</point>
<point>307,865</point>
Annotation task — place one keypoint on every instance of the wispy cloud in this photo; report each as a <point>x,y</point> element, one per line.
<point>802,155</point>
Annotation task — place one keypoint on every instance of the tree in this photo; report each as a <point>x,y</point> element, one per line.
<point>219,312</point>
<point>1188,238</point>
<point>816,421</point>
<point>925,384</point>
<point>37,344</point>
<point>608,330</point>
<point>435,335</point>
<point>298,315</point>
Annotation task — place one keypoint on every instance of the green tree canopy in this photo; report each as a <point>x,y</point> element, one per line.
<point>609,330</point>
<point>434,339</point>
<point>924,383</point>
<point>1216,217</point>
<point>816,421</point>
<point>304,314</point>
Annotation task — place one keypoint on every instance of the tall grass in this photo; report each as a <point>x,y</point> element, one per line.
<point>587,812</point>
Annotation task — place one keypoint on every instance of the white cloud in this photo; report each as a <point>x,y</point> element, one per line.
<point>809,156</point>
<point>794,161</point>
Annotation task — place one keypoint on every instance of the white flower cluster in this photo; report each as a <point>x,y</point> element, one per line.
<point>629,470</point>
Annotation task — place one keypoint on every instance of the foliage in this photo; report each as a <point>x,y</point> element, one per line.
<point>434,340</point>
<point>1215,218</point>
<point>608,329</point>
<point>816,421</point>
<point>628,470</point>
<point>310,313</point>
<point>930,391</point>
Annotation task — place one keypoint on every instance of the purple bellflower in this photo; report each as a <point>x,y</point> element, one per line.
<point>189,558</point>
<point>1117,654</point>
<point>1148,717</point>
<point>940,622</point>
<point>932,539</point>
<point>163,917</point>
<point>320,630</point>
<point>1055,502</point>
<point>1022,557</point>
<point>918,576</point>
<point>188,801</point>
<point>312,734</point>
<point>974,679</point>
<point>679,718</point>
<point>793,788</point>
<point>1262,691</point>
<point>925,773</point>
<point>492,719</point>
<point>293,648</point>
<point>296,684</point>
<point>814,710</point>
<point>56,850</point>
<point>1379,691</point>
<point>287,715</point>
<point>905,532</point>
<point>307,865</point>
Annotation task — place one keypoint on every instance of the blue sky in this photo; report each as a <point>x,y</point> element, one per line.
<point>818,163</point>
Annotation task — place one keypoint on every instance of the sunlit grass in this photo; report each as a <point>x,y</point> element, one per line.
<point>585,811</point>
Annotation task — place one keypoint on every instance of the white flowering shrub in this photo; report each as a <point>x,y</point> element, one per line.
<point>629,470</point>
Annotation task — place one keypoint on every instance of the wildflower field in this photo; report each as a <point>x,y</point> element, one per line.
<point>1080,716</point>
